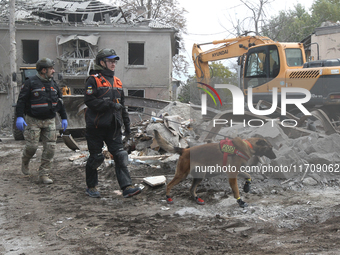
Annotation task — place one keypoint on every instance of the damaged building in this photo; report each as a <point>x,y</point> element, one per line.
<point>72,32</point>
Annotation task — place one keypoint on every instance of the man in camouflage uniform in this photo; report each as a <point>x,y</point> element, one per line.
<point>39,100</point>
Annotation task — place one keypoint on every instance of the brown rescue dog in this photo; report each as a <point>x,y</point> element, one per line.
<point>202,156</point>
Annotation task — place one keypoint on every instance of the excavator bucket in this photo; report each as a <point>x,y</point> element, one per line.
<point>70,142</point>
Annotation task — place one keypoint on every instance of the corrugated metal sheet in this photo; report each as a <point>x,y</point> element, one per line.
<point>92,39</point>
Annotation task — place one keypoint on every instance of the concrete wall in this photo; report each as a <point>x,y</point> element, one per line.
<point>328,39</point>
<point>5,98</point>
<point>154,77</point>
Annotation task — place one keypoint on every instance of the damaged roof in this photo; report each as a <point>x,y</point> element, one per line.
<point>76,11</point>
<point>52,12</point>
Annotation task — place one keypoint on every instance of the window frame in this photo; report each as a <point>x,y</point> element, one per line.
<point>24,45</point>
<point>144,65</point>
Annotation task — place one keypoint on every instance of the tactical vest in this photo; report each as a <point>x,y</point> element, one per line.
<point>44,98</point>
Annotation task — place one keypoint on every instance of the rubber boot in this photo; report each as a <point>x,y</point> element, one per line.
<point>24,167</point>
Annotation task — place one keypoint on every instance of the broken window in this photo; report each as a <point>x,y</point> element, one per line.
<point>136,93</point>
<point>136,53</point>
<point>30,51</point>
<point>77,53</point>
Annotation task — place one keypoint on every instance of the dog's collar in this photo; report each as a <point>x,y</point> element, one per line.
<point>248,143</point>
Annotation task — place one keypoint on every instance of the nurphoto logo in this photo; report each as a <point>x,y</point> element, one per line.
<point>238,101</point>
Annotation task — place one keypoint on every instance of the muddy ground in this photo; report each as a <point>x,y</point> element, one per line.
<point>288,218</point>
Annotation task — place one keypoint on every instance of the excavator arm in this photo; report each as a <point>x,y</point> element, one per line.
<point>230,48</point>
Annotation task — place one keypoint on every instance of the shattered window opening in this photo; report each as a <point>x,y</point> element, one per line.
<point>30,51</point>
<point>78,53</point>
<point>136,54</point>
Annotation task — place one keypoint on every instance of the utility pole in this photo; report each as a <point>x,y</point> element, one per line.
<point>12,52</point>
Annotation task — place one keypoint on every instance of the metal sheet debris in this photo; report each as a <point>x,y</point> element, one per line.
<point>92,39</point>
<point>155,180</point>
<point>70,142</point>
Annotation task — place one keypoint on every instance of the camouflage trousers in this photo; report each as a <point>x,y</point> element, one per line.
<point>44,129</point>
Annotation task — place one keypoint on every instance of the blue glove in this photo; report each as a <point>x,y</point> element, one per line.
<point>64,124</point>
<point>20,123</point>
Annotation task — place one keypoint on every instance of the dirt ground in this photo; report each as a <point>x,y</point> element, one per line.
<point>35,218</point>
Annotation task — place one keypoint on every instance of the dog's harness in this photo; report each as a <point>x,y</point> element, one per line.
<point>228,148</point>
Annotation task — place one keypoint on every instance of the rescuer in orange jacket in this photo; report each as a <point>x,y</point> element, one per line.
<point>105,115</point>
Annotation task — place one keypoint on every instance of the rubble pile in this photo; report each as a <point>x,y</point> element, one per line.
<point>312,157</point>
<point>314,154</point>
<point>300,154</point>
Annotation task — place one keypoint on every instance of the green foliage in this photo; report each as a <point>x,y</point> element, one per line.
<point>184,95</point>
<point>217,69</point>
<point>326,10</point>
<point>291,26</point>
<point>189,92</point>
<point>296,24</point>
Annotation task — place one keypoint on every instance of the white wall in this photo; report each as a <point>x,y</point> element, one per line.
<point>328,39</point>
<point>154,76</point>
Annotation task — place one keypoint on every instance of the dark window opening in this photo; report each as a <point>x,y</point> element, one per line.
<point>84,47</point>
<point>136,93</point>
<point>30,51</point>
<point>136,53</point>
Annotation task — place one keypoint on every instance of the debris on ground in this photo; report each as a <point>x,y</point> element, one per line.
<point>155,180</point>
<point>296,211</point>
<point>302,153</point>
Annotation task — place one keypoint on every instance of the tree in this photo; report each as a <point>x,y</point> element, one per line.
<point>257,10</point>
<point>326,10</point>
<point>219,71</point>
<point>251,23</point>
<point>167,12</point>
<point>295,25</point>
<point>289,26</point>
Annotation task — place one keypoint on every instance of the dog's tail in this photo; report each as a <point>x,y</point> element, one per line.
<point>165,145</point>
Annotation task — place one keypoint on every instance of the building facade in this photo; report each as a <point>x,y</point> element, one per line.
<point>324,43</point>
<point>72,32</point>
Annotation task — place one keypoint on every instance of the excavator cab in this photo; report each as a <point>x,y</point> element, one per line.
<point>266,64</point>
<point>262,65</point>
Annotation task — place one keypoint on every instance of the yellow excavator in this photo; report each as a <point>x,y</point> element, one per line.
<point>265,64</point>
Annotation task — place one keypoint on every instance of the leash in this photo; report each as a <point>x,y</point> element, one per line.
<point>181,124</point>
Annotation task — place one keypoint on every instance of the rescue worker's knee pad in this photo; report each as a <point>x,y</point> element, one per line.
<point>121,158</point>
<point>30,150</point>
<point>49,150</point>
<point>95,160</point>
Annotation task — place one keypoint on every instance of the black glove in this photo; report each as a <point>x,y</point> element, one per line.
<point>116,106</point>
<point>127,131</point>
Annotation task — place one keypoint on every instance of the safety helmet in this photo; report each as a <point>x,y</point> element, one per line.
<point>44,63</point>
<point>106,53</point>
